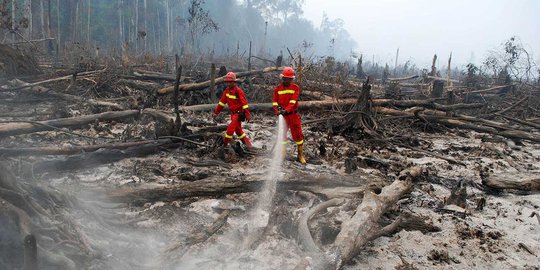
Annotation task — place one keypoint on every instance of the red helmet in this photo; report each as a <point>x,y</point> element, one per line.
<point>288,72</point>
<point>230,77</point>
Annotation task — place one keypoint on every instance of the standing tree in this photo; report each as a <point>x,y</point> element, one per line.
<point>360,74</point>
<point>386,73</point>
<point>277,11</point>
<point>513,58</point>
<point>199,22</point>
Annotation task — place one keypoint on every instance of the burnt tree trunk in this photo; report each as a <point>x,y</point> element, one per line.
<point>360,117</point>
<point>17,128</point>
<point>220,80</point>
<point>363,226</point>
<point>67,150</point>
<point>438,89</point>
<point>513,182</point>
<point>328,187</point>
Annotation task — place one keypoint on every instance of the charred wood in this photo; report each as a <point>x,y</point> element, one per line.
<point>67,150</point>
<point>220,80</point>
<point>93,159</point>
<point>513,182</point>
<point>363,226</point>
<point>17,128</point>
<point>317,104</point>
<point>69,77</point>
<point>329,187</point>
<point>460,123</point>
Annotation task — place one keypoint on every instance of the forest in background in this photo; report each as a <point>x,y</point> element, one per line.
<point>223,27</point>
<point>84,30</point>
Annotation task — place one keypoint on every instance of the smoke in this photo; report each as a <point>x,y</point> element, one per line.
<point>122,239</point>
<point>232,252</point>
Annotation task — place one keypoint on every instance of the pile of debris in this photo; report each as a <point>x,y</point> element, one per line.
<point>108,156</point>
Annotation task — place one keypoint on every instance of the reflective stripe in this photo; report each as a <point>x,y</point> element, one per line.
<point>221,104</point>
<point>242,136</point>
<point>284,142</point>
<point>274,103</point>
<point>292,101</point>
<point>245,107</point>
<point>300,142</point>
<point>228,136</point>
<point>282,92</point>
<point>231,96</point>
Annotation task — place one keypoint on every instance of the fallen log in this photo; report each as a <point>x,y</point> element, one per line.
<point>67,150</point>
<point>513,182</point>
<point>519,102</point>
<point>67,97</point>
<point>17,128</point>
<point>139,84</point>
<point>28,85</point>
<point>414,85</point>
<point>150,75</point>
<point>328,186</point>
<point>435,78</point>
<point>317,104</point>
<point>523,122</point>
<point>9,128</point>
<point>488,89</point>
<point>442,79</point>
<point>93,159</point>
<point>268,106</point>
<point>460,123</point>
<point>220,80</point>
<point>304,234</point>
<point>90,101</point>
<point>404,78</point>
<point>363,225</point>
<point>486,122</point>
<point>21,114</point>
<point>316,95</point>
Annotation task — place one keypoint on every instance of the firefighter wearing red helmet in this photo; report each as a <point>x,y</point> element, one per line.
<point>285,102</point>
<point>235,97</point>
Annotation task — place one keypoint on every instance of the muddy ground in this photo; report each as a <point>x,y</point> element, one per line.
<point>79,225</point>
<point>502,235</point>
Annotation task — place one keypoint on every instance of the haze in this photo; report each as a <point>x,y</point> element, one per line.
<point>420,28</point>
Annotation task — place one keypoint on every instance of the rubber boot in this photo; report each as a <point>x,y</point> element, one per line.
<point>301,158</point>
<point>246,141</point>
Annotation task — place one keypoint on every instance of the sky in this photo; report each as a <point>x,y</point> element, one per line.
<point>420,28</point>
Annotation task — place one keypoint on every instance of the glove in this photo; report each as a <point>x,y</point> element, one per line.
<point>281,110</point>
<point>242,116</point>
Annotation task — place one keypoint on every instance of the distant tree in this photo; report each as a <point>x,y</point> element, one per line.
<point>513,58</point>
<point>277,11</point>
<point>406,67</point>
<point>9,22</point>
<point>360,74</point>
<point>200,22</point>
<point>386,73</point>
<point>340,40</point>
